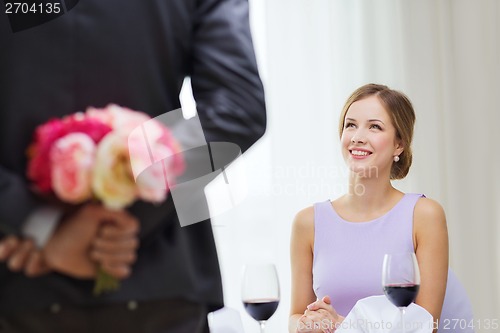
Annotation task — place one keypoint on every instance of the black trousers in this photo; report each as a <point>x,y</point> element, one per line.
<point>173,316</point>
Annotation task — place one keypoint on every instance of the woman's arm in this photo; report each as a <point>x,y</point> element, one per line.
<point>431,247</point>
<point>301,258</point>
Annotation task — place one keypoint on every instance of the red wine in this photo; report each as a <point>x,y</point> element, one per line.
<point>401,294</point>
<point>261,309</point>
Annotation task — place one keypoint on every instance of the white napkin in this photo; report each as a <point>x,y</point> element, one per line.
<point>378,314</point>
<point>225,320</point>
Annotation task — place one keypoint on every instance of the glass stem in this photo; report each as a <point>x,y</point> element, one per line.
<point>262,324</point>
<point>402,310</point>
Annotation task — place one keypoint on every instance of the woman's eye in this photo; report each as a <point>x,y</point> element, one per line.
<point>376,126</point>
<point>347,125</point>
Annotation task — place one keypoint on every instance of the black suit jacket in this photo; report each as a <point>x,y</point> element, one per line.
<point>135,54</point>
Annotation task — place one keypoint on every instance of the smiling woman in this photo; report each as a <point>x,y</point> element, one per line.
<point>387,114</point>
<point>337,247</point>
<point>313,54</point>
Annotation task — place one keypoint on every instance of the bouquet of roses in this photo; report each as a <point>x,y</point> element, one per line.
<point>97,155</point>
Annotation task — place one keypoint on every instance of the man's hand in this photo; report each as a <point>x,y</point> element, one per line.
<point>115,245</point>
<point>22,255</point>
<point>93,235</point>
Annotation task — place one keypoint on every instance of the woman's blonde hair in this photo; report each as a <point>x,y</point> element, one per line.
<point>400,110</point>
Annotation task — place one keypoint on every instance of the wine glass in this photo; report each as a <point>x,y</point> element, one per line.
<point>401,280</point>
<point>260,292</point>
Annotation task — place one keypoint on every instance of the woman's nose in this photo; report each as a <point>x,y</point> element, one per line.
<point>358,138</point>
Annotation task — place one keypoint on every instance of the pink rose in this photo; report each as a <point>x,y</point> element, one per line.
<point>119,118</point>
<point>80,122</point>
<point>177,165</point>
<point>39,170</point>
<point>155,160</point>
<point>72,159</point>
<point>152,184</point>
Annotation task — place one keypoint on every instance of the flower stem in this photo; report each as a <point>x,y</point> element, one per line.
<point>104,283</point>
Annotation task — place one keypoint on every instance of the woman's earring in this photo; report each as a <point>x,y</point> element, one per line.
<point>396,158</point>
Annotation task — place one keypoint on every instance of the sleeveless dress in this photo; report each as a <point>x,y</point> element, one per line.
<point>348,257</point>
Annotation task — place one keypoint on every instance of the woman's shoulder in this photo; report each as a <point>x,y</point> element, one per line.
<point>303,229</point>
<point>428,208</point>
<point>429,214</point>
<point>430,232</point>
<point>304,219</point>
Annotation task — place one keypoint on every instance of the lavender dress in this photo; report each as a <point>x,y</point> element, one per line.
<point>348,258</point>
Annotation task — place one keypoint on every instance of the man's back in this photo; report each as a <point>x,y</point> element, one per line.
<point>135,54</point>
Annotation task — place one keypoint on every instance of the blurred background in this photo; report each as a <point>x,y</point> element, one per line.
<point>445,55</point>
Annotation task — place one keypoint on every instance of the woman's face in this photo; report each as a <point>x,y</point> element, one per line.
<point>369,139</point>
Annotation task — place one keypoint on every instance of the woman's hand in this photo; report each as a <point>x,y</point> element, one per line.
<point>319,317</point>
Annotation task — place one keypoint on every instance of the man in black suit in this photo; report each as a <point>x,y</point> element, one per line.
<point>135,54</point>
